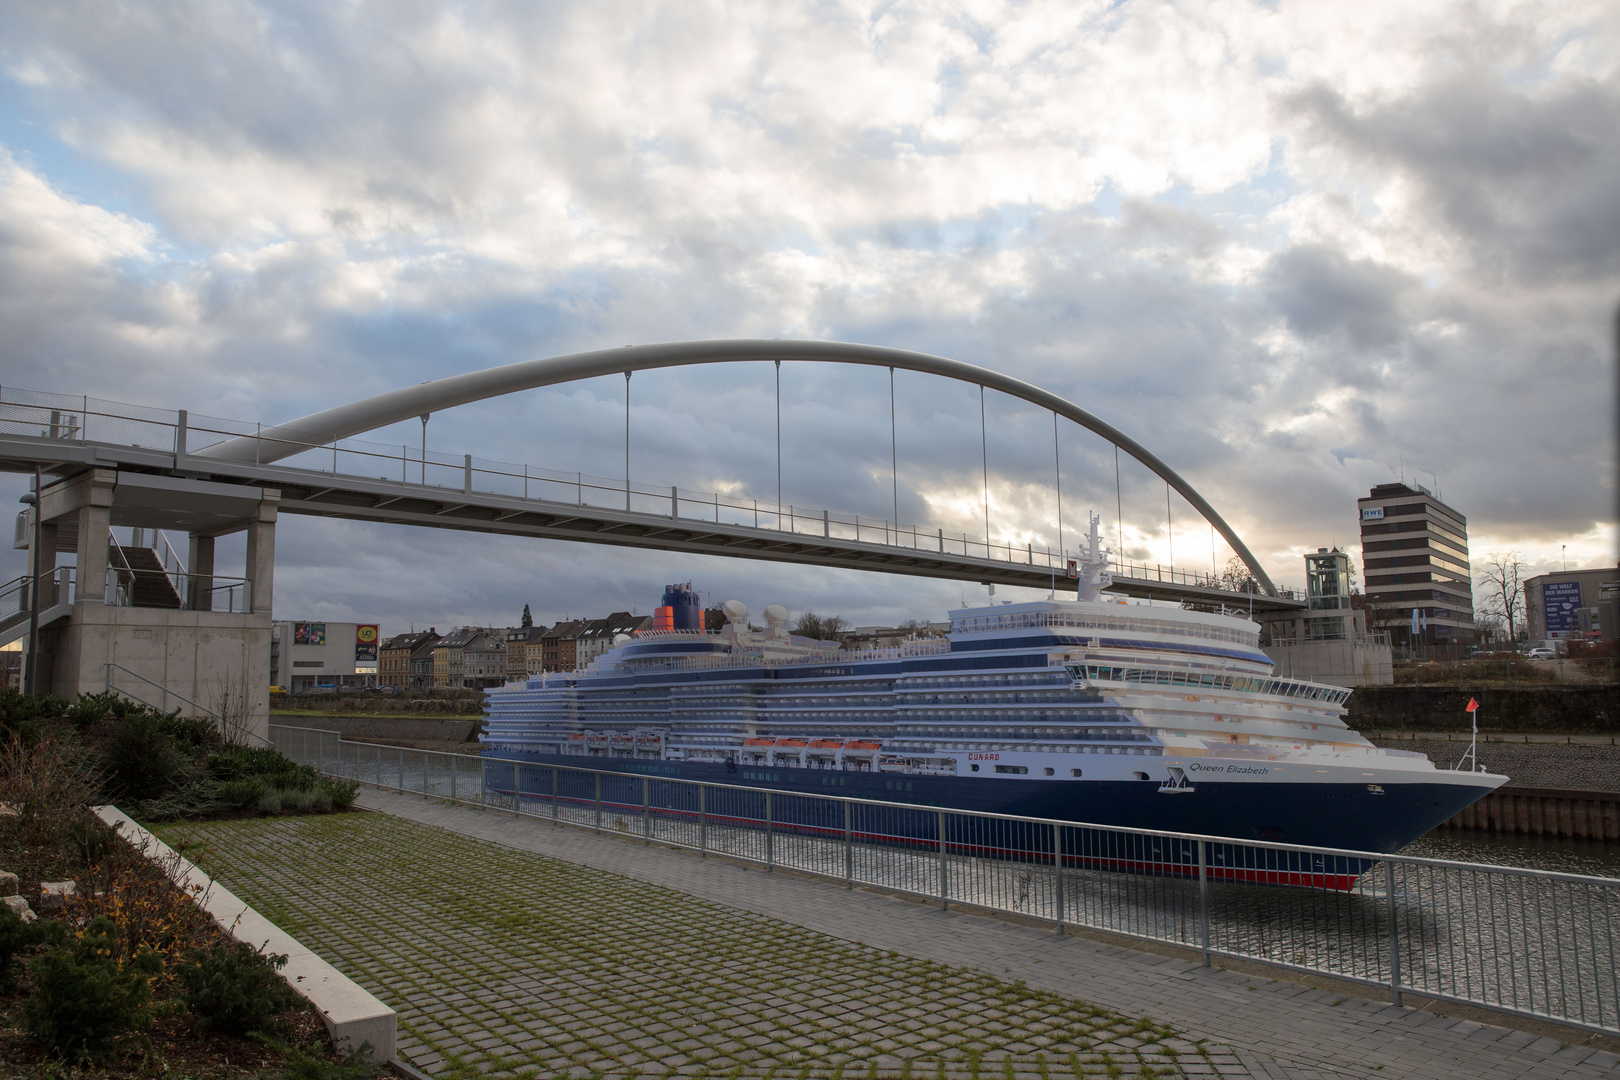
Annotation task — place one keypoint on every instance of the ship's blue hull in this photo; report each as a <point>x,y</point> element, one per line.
<point>1315,815</point>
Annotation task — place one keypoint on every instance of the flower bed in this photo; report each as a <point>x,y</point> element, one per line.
<point>105,965</point>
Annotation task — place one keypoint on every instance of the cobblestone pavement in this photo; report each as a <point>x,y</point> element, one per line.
<point>509,963</point>
<point>1274,1028</point>
<point>1588,766</point>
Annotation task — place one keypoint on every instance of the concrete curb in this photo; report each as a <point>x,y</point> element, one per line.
<point>353,1017</point>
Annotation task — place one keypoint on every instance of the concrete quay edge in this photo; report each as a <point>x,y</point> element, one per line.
<point>353,1017</point>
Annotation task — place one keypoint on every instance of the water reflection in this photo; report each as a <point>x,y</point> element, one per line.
<point>1532,852</point>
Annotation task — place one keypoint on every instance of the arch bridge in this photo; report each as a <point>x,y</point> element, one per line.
<point>202,474</point>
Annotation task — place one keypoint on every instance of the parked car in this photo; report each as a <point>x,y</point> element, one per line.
<point>1541,654</point>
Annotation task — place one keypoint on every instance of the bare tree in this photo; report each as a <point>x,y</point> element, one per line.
<point>1488,625</point>
<point>916,628</point>
<point>1236,577</point>
<point>821,627</point>
<point>1501,580</point>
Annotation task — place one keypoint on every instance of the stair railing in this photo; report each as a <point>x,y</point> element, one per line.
<point>175,567</point>
<point>120,582</point>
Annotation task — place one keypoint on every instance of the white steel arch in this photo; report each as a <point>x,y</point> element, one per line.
<point>355,418</point>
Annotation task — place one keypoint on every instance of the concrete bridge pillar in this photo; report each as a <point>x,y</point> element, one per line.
<point>90,497</point>
<point>261,553</point>
<point>200,565</point>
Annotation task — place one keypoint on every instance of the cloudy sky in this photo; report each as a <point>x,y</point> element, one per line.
<point>1295,249</point>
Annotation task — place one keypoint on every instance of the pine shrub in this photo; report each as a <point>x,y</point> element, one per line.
<point>142,758</point>
<point>84,997</point>
<point>235,989</point>
<point>18,938</point>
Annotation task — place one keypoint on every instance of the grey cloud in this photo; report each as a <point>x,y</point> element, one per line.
<point>1524,177</point>
<point>1321,291</point>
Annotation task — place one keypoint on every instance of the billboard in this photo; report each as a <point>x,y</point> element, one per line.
<point>309,633</point>
<point>1561,601</point>
<point>365,644</point>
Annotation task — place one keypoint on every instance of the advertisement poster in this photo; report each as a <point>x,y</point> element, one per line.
<point>309,633</point>
<point>1561,600</point>
<point>365,645</point>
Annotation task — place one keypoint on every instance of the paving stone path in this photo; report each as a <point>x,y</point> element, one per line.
<point>509,963</point>
<point>1268,1027</point>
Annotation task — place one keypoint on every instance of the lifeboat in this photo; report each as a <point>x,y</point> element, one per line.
<point>759,742</point>
<point>862,744</point>
<point>596,739</point>
<point>649,738</point>
<point>794,743</point>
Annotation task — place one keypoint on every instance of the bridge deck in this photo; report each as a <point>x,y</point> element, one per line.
<point>791,535</point>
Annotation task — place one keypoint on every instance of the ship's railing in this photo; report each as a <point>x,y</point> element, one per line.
<point>1527,942</point>
<point>705,661</point>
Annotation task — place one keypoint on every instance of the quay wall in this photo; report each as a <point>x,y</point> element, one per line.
<point>387,729</point>
<point>1561,812</point>
<point>1551,709</point>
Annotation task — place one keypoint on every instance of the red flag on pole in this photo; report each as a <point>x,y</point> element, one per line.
<point>1472,705</point>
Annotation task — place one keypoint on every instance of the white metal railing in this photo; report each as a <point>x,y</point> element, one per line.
<point>87,420</point>
<point>1528,942</point>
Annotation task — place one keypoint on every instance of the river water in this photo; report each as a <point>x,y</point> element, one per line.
<point>1532,852</point>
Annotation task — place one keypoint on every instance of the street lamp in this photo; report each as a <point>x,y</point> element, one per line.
<point>31,499</point>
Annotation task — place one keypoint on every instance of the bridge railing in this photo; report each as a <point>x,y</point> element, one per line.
<point>89,420</point>
<point>1527,942</point>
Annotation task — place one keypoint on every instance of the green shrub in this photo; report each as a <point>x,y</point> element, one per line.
<point>270,801</point>
<point>142,759</point>
<point>302,778</point>
<point>28,716</point>
<point>301,1066</point>
<point>90,839</point>
<point>18,937</point>
<point>89,708</point>
<point>236,762</point>
<point>242,794</point>
<point>320,800</point>
<point>235,989</point>
<point>341,792</point>
<point>84,998</point>
<point>193,733</point>
<point>297,802</point>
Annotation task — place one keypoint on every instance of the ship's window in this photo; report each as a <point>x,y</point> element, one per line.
<point>975,768</point>
<point>1074,772</point>
<point>1048,770</point>
<point>1018,769</point>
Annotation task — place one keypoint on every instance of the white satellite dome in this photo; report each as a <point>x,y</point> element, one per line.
<point>776,615</point>
<point>736,611</point>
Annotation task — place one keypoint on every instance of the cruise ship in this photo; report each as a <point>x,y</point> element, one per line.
<point>1092,710</point>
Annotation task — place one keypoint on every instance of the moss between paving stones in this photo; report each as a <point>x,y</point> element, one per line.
<point>508,964</point>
